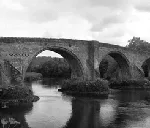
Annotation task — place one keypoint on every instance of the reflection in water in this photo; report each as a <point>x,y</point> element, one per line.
<point>18,114</point>
<point>85,114</point>
<point>122,109</point>
<point>52,82</point>
<point>90,113</point>
<point>51,111</point>
<point>130,95</point>
<point>145,123</point>
<point>108,112</point>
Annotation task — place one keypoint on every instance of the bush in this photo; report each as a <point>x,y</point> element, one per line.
<point>128,84</point>
<point>15,92</point>
<point>32,76</point>
<point>51,67</point>
<point>78,85</point>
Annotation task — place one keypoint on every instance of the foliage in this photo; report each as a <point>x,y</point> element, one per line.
<point>50,67</point>
<point>139,45</point>
<point>79,85</point>
<point>130,84</point>
<point>33,76</point>
<point>15,92</point>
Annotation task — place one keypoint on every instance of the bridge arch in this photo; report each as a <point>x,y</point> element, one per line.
<point>120,63</point>
<point>72,59</point>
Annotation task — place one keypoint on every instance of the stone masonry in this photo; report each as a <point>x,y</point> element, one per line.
<point>83,56</point>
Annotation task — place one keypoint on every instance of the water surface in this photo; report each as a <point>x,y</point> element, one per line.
<point>122,109</point>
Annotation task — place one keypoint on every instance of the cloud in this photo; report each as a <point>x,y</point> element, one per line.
<point>110,3</point>
<point>47,10</point>
<point>112,21</point>
<point>46,34</point>
<point>113,35</point>
<point>9,4</point>
<point>109,21</point>
<point>141,5</point>
<point>40,11</point>
<point>70,26</point>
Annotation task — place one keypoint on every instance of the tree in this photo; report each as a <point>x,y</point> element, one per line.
<point>139,45</point>
<point>50,67</point>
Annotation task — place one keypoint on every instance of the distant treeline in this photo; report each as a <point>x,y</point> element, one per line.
<point>50,67</point>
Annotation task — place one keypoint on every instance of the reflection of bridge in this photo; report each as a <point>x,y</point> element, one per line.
<point>84,57</point>
<point>92,113</point>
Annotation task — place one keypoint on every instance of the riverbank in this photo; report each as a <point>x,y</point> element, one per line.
<point>32,76</point>
<point>18,102</point>
<point>130,84</point>
<point>15,95</point>
<point>79,87</point>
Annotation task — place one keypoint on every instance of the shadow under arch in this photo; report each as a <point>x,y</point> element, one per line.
<point>122,63</point>
<point>146,68</point>
<point>74,62</point>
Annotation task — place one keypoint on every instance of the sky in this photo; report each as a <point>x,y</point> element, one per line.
<point>110,21</point>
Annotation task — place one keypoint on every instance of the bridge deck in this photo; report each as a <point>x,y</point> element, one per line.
<point>38,39</point>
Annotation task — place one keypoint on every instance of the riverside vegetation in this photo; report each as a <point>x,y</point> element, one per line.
<point>81,87</point>
<point>130,84</point>
<point>33,76</point>
<point>50,67</point>
<point>14,95</point>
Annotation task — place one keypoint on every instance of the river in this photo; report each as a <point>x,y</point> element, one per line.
<point>122,109</point>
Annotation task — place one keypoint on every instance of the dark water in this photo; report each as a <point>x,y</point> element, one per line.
<point>122,109</point>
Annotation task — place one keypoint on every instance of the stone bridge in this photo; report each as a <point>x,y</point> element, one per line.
<point>83,56</point>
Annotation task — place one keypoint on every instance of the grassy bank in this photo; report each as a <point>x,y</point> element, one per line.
<point>85,88</point>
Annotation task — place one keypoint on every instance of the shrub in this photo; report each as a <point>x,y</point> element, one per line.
<point>15,92</point>
<point>32,76</point>
<point>79,85</point>
<point>128,84</point>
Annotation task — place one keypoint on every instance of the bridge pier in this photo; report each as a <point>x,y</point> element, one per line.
<point>9,75</point>
<point>5,78</point>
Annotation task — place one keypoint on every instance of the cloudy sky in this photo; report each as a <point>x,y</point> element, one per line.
<point>111,21</point>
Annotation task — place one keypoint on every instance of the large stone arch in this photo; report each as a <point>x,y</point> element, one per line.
<point>74,62</point>
<point>121,63</point>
